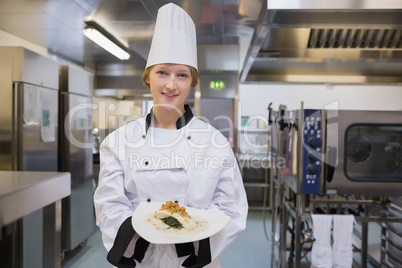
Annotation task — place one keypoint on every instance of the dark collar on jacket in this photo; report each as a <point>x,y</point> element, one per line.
<point>181,122</point>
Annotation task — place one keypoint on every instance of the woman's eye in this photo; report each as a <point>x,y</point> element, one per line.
<point>161,72</point>
<point>183,75</point>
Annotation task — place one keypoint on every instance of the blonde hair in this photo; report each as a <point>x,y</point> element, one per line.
<point>194,76</point>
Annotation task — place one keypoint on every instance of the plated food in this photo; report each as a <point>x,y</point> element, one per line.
<point>156,232</point>
<point>172,218</point>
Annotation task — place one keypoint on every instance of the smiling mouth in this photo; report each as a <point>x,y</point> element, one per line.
<point>169,95</point>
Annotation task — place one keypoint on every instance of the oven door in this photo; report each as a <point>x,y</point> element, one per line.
<point>369,153</point>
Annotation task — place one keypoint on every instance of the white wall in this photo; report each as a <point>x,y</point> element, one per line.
<point>7,39</point>
<point>255,98</point>
<point>111,113</point>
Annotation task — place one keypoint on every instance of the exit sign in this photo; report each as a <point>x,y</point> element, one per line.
<point>217,85</point>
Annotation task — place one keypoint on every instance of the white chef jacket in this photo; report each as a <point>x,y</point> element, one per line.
<point>193,165</point>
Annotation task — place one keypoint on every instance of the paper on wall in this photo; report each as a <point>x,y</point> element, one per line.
<point>48,116</point>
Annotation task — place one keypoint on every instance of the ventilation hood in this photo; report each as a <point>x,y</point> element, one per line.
<point>326,41</point>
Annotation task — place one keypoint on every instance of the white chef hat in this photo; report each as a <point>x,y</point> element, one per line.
<point>174,39</point>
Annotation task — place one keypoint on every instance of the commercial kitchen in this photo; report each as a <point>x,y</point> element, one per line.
<point>308,93</point>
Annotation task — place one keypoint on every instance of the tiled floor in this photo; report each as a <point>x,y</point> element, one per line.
<point>251,249</point>
<point>92,254</point>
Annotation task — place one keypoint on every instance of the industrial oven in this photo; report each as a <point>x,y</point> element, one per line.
<point>338,151</point>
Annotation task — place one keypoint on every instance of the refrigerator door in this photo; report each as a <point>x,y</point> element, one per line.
<point>76,158</point>
<point>35,143</point>
<point>36,128</point>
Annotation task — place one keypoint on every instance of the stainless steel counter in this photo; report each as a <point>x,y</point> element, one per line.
<point>22,193</point>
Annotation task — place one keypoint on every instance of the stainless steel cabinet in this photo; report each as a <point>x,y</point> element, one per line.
<point>75,155</point>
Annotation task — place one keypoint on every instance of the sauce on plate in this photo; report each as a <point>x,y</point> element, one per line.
<point>202,225</point>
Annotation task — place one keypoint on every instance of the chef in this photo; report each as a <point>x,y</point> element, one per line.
<point>168,155</point>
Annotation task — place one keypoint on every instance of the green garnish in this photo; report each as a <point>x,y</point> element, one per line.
<point>172,223</point>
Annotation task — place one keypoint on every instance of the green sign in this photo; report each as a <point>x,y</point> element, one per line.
<point>217,85</point>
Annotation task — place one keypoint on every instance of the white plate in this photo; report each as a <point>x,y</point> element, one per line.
<point>215,220</point>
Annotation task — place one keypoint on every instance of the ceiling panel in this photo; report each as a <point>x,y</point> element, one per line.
<point>68,13</point>
<point>280,45</point>
<point>217,22</point>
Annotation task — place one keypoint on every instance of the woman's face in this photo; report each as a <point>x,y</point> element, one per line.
<point>170,85</point>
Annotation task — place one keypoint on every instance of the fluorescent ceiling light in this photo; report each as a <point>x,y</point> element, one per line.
<point>112,47</point>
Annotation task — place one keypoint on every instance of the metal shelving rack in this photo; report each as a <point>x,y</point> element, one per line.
<point>255,167</point>
<point>295,209</point>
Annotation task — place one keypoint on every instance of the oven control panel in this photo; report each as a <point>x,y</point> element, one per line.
<point>312,141</point>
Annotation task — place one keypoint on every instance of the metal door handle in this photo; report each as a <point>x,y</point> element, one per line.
<point>330,163</point>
